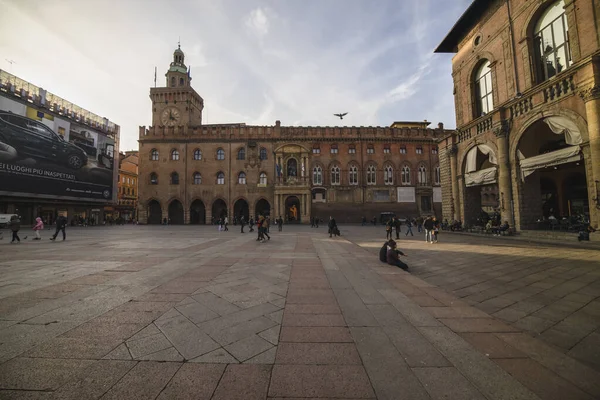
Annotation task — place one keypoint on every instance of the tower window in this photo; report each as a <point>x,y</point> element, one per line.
<point>197,178</point>
<point>197,154</point>
<point>174,178</point>
<point>263,178</point>
<point>181,82</point>
<point>220,154</point>
<point>241,154</point>
<point>263,153</point>
<point>173,81</point>
<point>242,178</point>
<point>220,178</point>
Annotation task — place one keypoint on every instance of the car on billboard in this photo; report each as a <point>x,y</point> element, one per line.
<point>31,138</point>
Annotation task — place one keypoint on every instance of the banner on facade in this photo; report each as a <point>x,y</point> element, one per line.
<point>406,195</point>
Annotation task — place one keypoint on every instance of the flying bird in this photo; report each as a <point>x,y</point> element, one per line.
<point>341,115</point>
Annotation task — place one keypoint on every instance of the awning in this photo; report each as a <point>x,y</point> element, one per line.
<point>562,156</point>
<point>472,157</point>
<point>483,177</point>
<point>560,125</point>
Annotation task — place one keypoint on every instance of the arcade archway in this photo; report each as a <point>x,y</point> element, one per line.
<point>292,209</point>
<point>481,186</point>
<point>197,213</point>
<point>262,208</point>
<point>241,209</point>
<point>176,213</point>
<point>154,213</point>
<point>552,177</point>
<point>219,209</point>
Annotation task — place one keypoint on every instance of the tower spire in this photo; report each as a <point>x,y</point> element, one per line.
<point>179,43</point>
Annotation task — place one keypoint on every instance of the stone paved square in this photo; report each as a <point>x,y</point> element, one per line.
<point>184,312</point>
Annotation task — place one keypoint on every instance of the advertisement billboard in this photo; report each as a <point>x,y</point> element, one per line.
<point>48,155</point>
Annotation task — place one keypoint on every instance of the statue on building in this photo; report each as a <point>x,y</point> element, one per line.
<point>293,213</point>
<point>292,166</point>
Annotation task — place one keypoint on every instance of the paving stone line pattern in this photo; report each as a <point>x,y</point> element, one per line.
<point>180,312</point>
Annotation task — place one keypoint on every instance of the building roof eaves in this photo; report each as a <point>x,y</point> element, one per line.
<point>450,43</point>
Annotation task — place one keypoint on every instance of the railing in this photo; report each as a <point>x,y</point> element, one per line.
<point>559,88</point>
<point>521,107</point>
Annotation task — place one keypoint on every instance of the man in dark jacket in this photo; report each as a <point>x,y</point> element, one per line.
<point>392,256</point>
<point>61,225</point>
<point>397,227</point>
<point>332,225</point>
<point>15,226</point>
<point>428,225</point>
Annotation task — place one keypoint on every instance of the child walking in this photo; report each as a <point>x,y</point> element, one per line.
<point>39,225</point>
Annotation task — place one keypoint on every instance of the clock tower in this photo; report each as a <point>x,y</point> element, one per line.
<point>177,103</point>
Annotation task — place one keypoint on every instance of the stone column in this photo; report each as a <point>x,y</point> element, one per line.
<point>454,178</point>
<point>276,206</point>
<point>591,97</point>
<point>504,182</point>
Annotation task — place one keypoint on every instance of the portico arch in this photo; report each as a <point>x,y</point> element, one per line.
<point>154,212</point>
<point>176,213</point>
<point>480,174</point>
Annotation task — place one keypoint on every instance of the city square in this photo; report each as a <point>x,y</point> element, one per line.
<point>191,312</point>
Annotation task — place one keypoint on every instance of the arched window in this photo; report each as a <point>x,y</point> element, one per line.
<point>438,178</point>
<point>174,178</point>
<point>172,81</point>
<point>262,180</point>
<point>220,178</point>
<point>153,179</point>
<point>406,175</point>
<point>335,175</point>
<point>388,175</point>
<point>174,155</point>
<point>154,155</point>
<point>181,81</point>
<point>263,153</point>
<point>220,154</point>
<point>351,149</point>
<point>483,89</point>
<point>353,175</point>
<point>197,178</point>
<point>317,175</point>
<point>370,149</point>
<point>551,42</point>
<point>241,154</point>
<point>242,178</point>
<point>371,175</point>
<point>422,175</point>
<point>316,149</point>
<point>197,154</point>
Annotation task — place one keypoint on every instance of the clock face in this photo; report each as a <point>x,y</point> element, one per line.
<point>170,116</point>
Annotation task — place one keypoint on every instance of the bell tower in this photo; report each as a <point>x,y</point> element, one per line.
<point>177,103</point>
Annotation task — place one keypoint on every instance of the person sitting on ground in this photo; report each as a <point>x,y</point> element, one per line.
<point>383,251</point>
<point>392,256</point>
<point>585,234</point>
<point>502,228</point>
<point>488,226</point>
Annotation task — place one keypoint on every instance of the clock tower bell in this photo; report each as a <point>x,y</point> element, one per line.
<point>177,103</point>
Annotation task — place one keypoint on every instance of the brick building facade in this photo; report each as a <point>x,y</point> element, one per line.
<point>127,186</point>
<point>527,97</point>
<point>191,173</point>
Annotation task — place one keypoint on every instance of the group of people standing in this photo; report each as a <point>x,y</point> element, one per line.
<point>262,223</point>
<point>15,226</point>
<point>430,225</point>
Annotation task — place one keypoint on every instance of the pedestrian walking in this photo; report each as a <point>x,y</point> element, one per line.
<point>332,225</point>
<point>397,227</point>
<point>388,229</point>
<point>436,229</point>
<point>409,225</point>
<point>280,223</point>
<point>265,227</point>
<point>428,225</point>
<point>226,222</point>
<point>61,225</point>
<point>39,226</point>
<point>251,224</point>
<point>363,221</point>
<point>312,222</point>
<point>15,227</point>
<point>242,223</point>
<point>419,224</point>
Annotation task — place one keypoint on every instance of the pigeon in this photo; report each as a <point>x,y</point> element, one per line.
<point>341,115</point>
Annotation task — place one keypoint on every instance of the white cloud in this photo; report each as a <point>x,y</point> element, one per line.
<point>258,22</point>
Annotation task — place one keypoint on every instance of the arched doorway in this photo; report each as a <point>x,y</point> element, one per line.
<point>292,209</point>
<point>262,208</point>
<point>176,213</point>
<point>219,209</point>
<point>552,178</point>
<point>241,209</point>
<point>154,213</point>
<point>481,187</point>
<point>197,213</point>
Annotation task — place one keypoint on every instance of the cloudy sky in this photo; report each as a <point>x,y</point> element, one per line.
<point>253,61</point>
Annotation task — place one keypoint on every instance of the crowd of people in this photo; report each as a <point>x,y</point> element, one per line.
<point>15,227</point>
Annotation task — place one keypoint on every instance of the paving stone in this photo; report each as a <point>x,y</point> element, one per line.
<point>313,320</point>
<point>96,380</point>
<point>64,347</point>
<point>243,382</point>
<point>271,335</point>
<point>533,324</point>
<point>487,377</point>
<point>578,374</point>
<point>412,312</point>
<point>196,312</point>
<point>39,373</point>
<point>312,309</point>
<point>104,330</point>
<point>426,301</point>
<point>477,325</point>
<point>543,382</point>
<point>25,395</point>
<point>147,345</point>
<point>267,357</point>
<point>248,347</point>
<point>308,381</point>
<point>193,381</point>
<point>238,317</point>
<point>384,366</point>
<point>215,303</point>
<point>120,353</point>
<point>317,353</point>
<point>447,383</point>
<point>492,347</point>
<point>588,350</point>
<point>219,356</point>
<point>355,312</point>
<point>165,297</point>
<point>276,316</point>
<point>144,381</point>
<point>243,330</point>
<point>315,334</point>
<point>456,312</point>
<point>187,338</point>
